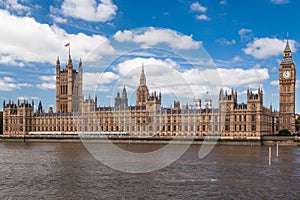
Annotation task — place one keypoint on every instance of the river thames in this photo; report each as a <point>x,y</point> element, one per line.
<point>67,171</point>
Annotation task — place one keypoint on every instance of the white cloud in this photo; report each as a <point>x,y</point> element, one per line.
<point>196,6</point>
<point>245,34</point>
<point>58,19</point>
<point>13,5</point>
<point>9,84</point>
<point>24,40</point>
<point>28,97</point>
<point>89,10</point>
<point>237,59</point>
<point>203,17</point>
<point>153,36</point>
<point>262,48</point>
<point>98,81</point>
<point>279,1</point>
<point>223,41</point>
<point>297,84</point>
<point>242,77</point>
<point>161,75</point>
<point>48,83</point>
<point>166,76</point>
<point>274,83</point>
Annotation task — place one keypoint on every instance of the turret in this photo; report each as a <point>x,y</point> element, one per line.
<point>40,107</point>
<point>143,77</point>
<point>57,64</point>
<point>96,101</point>
<point>80,65</point>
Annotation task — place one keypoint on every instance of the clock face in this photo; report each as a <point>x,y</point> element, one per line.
<point>286,74</point>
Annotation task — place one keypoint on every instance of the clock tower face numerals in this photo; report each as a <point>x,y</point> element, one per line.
<point>286,74</point>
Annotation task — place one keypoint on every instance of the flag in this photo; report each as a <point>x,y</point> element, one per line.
<point>68,44</point>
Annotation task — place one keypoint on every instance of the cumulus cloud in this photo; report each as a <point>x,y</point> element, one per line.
<point>48,83</point>
<point>153,36</point>
<point>274,83</point>
<point>262,48</point>
<point>13,5</point>
<point>9,84</point>
<point>89,10</point>
<point>98,81</point>
<point>196,6</point>
<point>42,43</point>
<point>242,77</point>
<point>168,77</point>
<point>203,17</point>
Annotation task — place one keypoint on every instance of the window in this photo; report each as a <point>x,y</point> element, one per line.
<point>253,118</point>
<point>253,127</point>
<point>227,127</point>
<point>227,118</point>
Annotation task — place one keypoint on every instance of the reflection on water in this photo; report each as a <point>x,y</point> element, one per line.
<point>68,171</point>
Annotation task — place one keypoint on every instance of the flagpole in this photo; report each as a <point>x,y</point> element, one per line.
<point>69,49</point>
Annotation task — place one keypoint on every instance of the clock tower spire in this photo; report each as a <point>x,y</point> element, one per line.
<point>287,81</point>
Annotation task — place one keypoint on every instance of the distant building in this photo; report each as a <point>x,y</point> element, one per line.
<point>149,117</point>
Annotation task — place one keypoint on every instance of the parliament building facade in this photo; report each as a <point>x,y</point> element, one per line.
<point>148,117</point>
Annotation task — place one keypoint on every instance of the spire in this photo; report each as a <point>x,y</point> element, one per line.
<point>80,63</point>
<point>124,93</point>
<point>142,77</point>
<point>287,47</point>
<point>57,63</point>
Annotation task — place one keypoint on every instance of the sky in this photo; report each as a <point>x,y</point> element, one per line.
<point>190,49</point>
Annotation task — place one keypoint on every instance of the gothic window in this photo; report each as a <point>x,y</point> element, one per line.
<point>253,127</point>
<point>253,118</point>
<point>227,118</point>
<point>227,128</point>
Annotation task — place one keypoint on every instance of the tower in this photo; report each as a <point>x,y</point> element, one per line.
<point>287,80</point>
<point>142,92</point>
<point>69,96</point>
<point>124,99</point>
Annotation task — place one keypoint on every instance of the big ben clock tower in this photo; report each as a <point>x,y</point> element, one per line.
<point>287,80</point>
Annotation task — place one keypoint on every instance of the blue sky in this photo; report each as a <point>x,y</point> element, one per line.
<point>245,40</point>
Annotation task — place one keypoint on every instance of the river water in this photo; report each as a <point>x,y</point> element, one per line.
<point>67,171</point>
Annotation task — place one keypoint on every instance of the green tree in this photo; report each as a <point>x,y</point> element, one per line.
<point>284,132</point>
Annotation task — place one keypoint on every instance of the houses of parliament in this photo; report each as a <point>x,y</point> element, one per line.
<point>148,117</point>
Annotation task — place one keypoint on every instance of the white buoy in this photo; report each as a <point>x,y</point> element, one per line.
<point>277,150</point>
<point>270,155</point>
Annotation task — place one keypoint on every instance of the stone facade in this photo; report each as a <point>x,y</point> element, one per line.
<point>148,117</point>
<point>287,81</point>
